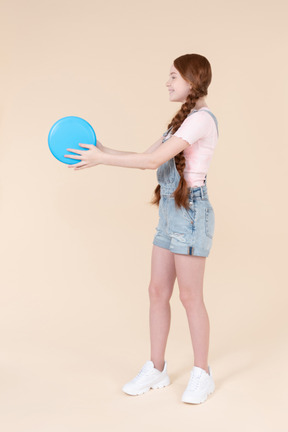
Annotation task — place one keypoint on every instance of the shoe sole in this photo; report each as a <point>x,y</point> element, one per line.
<point>165,382</point>
<point>199,401</point>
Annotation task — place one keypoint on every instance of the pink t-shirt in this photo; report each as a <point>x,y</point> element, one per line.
<point>200,131</point>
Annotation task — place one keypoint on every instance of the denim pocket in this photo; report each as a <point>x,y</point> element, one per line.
<point>190,213</point>
<point>209,221</point>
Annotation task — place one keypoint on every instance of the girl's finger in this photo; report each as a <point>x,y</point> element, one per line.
<point>74,151</point>
<point>72,156</point>
<point>86,145</point>
<point>81,165</point>
<point>74,165</point>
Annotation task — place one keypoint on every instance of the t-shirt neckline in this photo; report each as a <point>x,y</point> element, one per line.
<point>199,109</point>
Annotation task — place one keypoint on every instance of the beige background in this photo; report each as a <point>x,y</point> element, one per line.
<point>76,245</point>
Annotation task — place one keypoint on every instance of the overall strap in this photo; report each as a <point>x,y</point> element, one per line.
<point>212,115</point>
<point>167,132</point>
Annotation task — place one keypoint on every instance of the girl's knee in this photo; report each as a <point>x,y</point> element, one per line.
<point>189,300</point>
<point>158,291</point>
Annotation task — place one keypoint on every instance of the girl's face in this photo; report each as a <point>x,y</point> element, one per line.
<point>177,86</point>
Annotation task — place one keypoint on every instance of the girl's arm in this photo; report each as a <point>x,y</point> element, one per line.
<point>112,151</point>
<point>154,146</point>
<point>152,158</point>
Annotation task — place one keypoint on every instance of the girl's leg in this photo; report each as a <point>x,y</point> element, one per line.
<point>161,285</point>
<point>190,276</point>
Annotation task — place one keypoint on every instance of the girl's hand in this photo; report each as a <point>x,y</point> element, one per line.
<point>88,158</point>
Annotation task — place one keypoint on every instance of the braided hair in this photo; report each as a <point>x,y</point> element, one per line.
<point>196,70</point>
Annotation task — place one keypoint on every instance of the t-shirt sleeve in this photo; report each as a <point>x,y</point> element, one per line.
<point>194,127</point>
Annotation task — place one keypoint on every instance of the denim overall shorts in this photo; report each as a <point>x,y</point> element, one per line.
<point>184,231</point>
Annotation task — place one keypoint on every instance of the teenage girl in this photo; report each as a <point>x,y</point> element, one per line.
<point>185,229</point>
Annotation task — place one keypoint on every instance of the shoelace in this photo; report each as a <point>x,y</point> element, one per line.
<point>194,382</point>
<point>141,374</point>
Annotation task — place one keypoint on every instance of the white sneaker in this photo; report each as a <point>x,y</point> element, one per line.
<point>148,377</point>
<point>200,385</point>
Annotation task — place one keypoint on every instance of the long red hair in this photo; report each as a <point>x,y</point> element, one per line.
<point>196,70</point>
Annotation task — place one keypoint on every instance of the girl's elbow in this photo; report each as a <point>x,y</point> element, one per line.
<point>153,164</point>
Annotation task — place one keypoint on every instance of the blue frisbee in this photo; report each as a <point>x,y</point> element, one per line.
<point>68,132</point>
